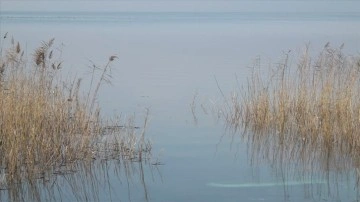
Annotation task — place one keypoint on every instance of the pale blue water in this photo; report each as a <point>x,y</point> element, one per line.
<point>168,52</point>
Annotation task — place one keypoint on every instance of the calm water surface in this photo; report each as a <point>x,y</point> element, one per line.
<point>171,52</point>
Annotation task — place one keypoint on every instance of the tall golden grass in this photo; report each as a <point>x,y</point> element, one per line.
<point>314,103</point>
<point>302,118</point>
<point>46,123</point>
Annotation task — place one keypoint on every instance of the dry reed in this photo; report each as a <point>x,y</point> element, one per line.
<point>314,104</point>
<point>46,124</point>
<point>302,119</point>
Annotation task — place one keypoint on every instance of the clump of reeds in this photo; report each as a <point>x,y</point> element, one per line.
<point>303,118</point>
<point>315,102</point>
<point>45,123</point>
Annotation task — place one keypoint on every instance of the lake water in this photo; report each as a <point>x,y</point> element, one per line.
<point>173,52</point>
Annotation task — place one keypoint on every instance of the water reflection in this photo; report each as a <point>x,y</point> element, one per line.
<point>99,180</point>
<point>110,175</point>
<point>326,171</point>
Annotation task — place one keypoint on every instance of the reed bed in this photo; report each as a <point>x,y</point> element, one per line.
<point>302,118</point>
<point>308,109</point>
<point>46,123</point>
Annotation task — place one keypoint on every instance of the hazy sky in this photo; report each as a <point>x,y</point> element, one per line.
<point>180,5</point>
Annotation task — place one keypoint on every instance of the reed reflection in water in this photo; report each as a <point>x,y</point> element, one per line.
<point>108,177</point>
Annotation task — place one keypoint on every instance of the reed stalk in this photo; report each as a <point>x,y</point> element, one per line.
<point>314,103</point>
<point>46,124</point>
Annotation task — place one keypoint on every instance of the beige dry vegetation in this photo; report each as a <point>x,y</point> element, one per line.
<point>309,109</point>
<point>46,124</point>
